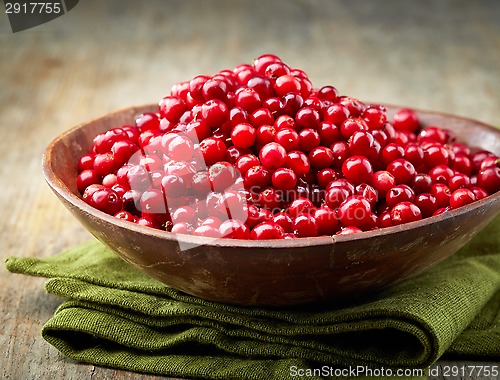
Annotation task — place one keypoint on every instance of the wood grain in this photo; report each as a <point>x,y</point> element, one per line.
<point>103,56</point>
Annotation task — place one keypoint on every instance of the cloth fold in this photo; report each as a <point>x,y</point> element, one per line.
<point>116,316</point>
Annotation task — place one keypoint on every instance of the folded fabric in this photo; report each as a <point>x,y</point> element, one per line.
<point>118,317</point>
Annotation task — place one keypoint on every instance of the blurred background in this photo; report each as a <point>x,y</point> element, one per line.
<point>105,55</point>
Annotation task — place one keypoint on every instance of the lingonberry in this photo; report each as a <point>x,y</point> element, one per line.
<point>248,99</point>
<point>180,148</point>
<point>421,183</point>
<point>341,152</point>
<point>261,116</point>
<point>328,133</point>
<point>479,192</point>
<point>273,155</point>
<point>427,204</point>
<point>172,108</point>
<point>461,197</point>
<point>307,117</point>
<point>360,143</point>
<point>284,220</point>
<point>334,196</point>
<point>262,85</point>
<point>226,154</point>
<point>406,119</point>
<point>326,220</point>
<point>391,152</point>
<point>320,157</point>
<point>86,162</point>
<point>405,212</point>
<point>336,114</point>
<point>458,181</point>
<point>243,135</point>
<point>213,150</point>
<point>245,162</point>
<point>288,138</point>
<point>301,206</point>
<point>441,174</point>
<point>106,200</point>
<point>383,181</point>
<point>264,135</point>
<point>305,225</point>
<point>269,198</point>
<point>325,176</point>
<point>351,125</point>
<point>349,230</point>
<point>402,170</point>
<point>86,178</point>
<point>257,177</point>
<point>266,231</point>
<point>357,169</point>
<point>375,117</point>
<point>489,179</point>
<point>442,193</point>
<point>125,215</point>
<point>308,139</point>
<point>182,228</point>
<point>234,229</point>
<point>298,162</point>
<point>399,193</point>
<point>284,179</point>
<point>354,211</point>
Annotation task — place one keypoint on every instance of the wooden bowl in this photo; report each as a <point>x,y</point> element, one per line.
<point>278,272</point>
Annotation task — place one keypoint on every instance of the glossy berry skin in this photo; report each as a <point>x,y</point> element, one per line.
<point>305,225</point>
<point>354,211</point>
<point>427,204</point>
<point>243,135</point>
<point>320,157</point>
<point>86,178</point>
<point>357,169</point>
<point>399,193</point>
<point>213,150</point>
<point>461,197</point>
<point>106,200</point>
<point>383,181</point>
<point>301,206</point>
<point>406,120</point>
<point>234,229</point>
<point>405,212</point>
<point>273,155</point>
<point>267,231</point>
<point>284,179</point>
<point>489,179</point>
<point>298,162</point>
<point>326,220</point>
<point>402,170</point>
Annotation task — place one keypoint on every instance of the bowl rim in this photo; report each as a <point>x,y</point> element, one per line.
<point>59,187</point>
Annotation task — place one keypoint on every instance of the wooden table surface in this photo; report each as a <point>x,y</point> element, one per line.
<point>105,55</point>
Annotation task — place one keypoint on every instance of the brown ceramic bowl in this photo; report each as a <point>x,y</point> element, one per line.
<point>275,273</point>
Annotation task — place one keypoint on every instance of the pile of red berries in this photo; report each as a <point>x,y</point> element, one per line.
<point>259,153</point>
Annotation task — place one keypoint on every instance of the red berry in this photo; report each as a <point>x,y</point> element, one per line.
<point>284,179</point>
<point>305,225</point>
<point>406,120</point>
<point>273,155</point>
<point>405,212</point>
<point>86,178</point>
<point>489,179</point>
<point>354,211</point>
<point>267,231</point>
<point>357,169</point>
<point>461,197</point>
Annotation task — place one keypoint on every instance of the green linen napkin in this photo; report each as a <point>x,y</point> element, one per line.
<point>116,316</point>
